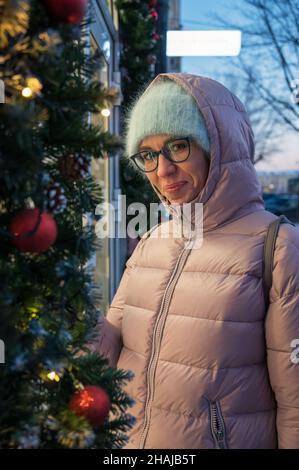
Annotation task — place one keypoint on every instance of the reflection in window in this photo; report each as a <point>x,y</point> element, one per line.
<point>100,172</point>
<point>113,12</point>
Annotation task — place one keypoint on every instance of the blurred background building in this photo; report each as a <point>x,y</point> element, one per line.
<point>279,181</point>
<point>281,192</point>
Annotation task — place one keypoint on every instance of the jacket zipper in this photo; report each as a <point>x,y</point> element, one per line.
<point>156,340</point>
<point>217,425</point>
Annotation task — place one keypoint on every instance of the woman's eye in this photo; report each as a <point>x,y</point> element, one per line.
<point>147,156</point>
<point>178,146</point>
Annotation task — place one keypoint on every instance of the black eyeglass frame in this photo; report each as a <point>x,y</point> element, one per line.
<point>164,150</point>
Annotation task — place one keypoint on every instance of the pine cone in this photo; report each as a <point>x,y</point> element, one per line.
<point>55,198</point>
<point>74,166</point>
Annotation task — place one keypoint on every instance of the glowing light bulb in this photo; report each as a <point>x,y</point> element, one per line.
<point>33,87</point>
<point>105,112</point>
<point>53,376</point>
<point>27,92</point>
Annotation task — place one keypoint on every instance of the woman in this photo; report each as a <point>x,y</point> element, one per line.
<point>212,368</point>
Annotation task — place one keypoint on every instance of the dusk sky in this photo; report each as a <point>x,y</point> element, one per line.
<point>198,14</point>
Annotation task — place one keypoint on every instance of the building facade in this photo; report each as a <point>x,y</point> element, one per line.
<point>108,262</point>
<point>278,181</point>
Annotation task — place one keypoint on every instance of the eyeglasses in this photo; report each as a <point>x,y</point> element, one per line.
<point>175,150</point>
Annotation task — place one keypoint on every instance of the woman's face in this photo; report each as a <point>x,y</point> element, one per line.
<point>192,173</point>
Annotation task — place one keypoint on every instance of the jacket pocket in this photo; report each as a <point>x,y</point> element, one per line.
<point>217,425</point>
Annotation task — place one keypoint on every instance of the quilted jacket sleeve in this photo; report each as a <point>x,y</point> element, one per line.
<point>108,341</point>
<point>282,336</point>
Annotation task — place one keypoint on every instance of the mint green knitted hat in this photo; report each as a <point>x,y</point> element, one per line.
<point>165,108</point>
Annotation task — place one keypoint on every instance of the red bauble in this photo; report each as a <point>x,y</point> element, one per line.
<point>154,14</point>
<point>33,231</point>
<point>155,36</point>
<point>66,11</point>
<point>93,403</point>
<point>153,3</point>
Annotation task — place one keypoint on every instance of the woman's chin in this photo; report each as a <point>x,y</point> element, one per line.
<point>179,200</point>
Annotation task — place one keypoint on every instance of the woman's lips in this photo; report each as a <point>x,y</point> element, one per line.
<point>174,187</point>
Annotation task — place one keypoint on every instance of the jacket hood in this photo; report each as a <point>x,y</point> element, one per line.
<point>232,189</point>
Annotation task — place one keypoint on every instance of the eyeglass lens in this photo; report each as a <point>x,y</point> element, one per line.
<point>176,150</point>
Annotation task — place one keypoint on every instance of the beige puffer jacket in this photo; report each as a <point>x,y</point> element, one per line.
<point>212,368</point>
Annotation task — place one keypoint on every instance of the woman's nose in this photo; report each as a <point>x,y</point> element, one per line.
<point>165,167</point>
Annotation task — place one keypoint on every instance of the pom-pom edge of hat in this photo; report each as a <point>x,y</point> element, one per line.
<point>150,112</point>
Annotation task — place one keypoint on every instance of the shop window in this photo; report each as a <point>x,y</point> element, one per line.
<point>100,172</point>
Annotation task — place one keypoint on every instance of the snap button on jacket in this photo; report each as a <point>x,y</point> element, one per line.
<point>212,368</point>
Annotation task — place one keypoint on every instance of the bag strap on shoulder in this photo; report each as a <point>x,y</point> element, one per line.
<point>268,254</point>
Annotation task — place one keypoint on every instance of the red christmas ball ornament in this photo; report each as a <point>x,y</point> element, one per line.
<point>155,36</point>
<point>66,11</point>
<point>93,403</point>
<point>154,14</point>
<point>153,3</point>
<point>33,230</point>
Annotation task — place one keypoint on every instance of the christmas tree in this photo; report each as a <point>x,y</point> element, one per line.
<point>54,393</point>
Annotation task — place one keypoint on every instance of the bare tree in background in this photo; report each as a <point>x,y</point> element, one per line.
<point>265,123</point>
<point>270,55</point>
